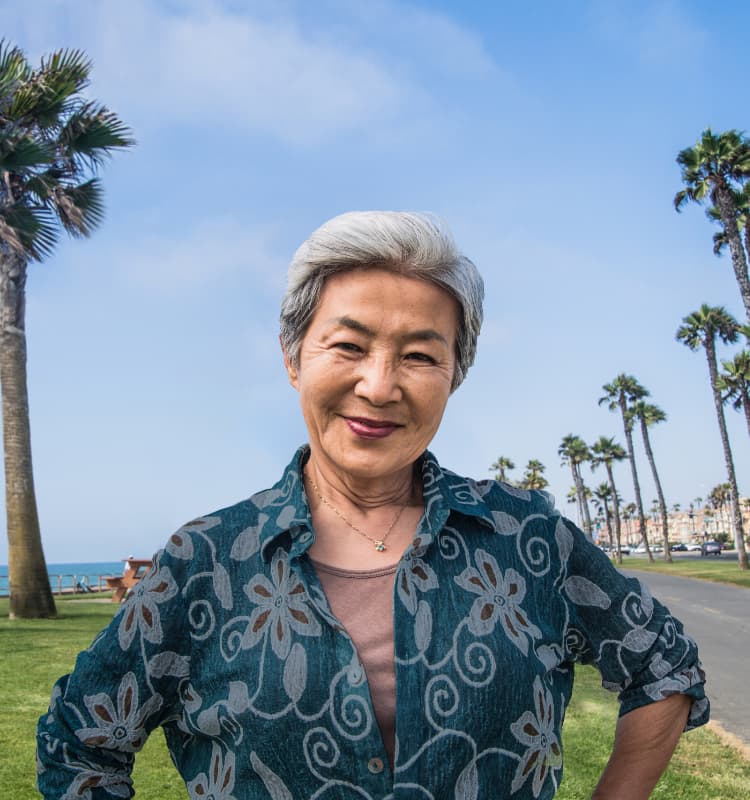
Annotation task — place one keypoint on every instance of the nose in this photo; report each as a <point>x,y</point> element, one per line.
<point>378,381</point>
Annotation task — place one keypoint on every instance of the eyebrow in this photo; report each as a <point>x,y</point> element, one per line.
<point>428,334</point>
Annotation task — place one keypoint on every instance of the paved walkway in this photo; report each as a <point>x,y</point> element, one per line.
<point>718,618</point>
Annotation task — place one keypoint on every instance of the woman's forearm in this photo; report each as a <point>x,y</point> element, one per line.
<point>645,739</point>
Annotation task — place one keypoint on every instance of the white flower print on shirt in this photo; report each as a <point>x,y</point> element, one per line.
<point>121,728</point>
<point>140,610</point>
<point>537,732</point>
<point>500,598</point>
<point>282,607</point>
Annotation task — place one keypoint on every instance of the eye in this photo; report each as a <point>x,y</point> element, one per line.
<point>420,357</point>
<point>348,347</point>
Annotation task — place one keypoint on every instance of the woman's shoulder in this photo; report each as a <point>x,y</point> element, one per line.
<point>239,531</point>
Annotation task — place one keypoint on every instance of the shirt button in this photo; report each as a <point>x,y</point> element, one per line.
<point>375,765</point>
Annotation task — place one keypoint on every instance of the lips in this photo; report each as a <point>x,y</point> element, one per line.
<point>371,428</point>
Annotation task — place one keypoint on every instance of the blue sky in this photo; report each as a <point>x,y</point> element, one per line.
<point>544,133</point>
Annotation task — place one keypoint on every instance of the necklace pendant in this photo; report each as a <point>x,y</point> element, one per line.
<point>379,545</point>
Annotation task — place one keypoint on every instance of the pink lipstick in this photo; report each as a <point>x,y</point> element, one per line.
<point>370,428</point>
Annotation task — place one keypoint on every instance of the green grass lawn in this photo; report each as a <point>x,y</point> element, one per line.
<point>36,653</point>
<point>707,569</point>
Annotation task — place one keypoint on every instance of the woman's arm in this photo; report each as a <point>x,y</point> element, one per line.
<point>644,741</point>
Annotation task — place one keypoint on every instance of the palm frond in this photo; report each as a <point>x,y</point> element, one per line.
<point>21,153</point>
<point>80,209</point>
<point>720,242</point>
<point>13,69</point>
<point>29,231</point>
<point>45,94</point>
<point>68,67</point>
<point>93,132</point>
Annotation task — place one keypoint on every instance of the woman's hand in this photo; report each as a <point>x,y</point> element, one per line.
<point>645,739</point>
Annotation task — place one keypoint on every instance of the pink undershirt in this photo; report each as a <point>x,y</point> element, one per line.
<point>363,603</point>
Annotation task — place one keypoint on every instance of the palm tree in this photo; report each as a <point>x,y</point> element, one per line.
<point>606,451</point>
<point>734,383</point>
<point>575,452</point>
<point>533,477</point>
<point>719,498</point>
<point>52,141</point>
<point>619,394</point>
<point>715,168</point>
<point>500,468</point>
<point>700,329</point>
<point>603,494</point>
<point>628,513</point>
<point>649,414</point>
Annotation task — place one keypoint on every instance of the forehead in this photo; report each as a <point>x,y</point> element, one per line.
<point>387,298</point>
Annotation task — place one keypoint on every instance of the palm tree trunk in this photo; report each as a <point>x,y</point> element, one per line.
<point>739,536</point>
<point>728,213</point>
<point>583,506</point>
<point>636,484</point>
<point>587,526</point>
<point>615,512</point>
<point>30,592</point>
<point>746,406</point>
<point>659,492</point>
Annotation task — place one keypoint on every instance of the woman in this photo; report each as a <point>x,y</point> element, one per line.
<point>373,625</point>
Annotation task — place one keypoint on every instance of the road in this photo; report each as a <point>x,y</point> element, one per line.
<point>718,618</point>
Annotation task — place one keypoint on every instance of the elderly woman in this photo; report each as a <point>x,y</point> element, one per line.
<point>373,626</point>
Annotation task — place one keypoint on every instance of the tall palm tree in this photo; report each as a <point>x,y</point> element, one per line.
<point>628,514</point>
<point>501,467</point>
<point>734,383</point>
<point>533,477</point>
<point>603,494</point>
<point>618,396</point>
<point>715,168</point>
<point>647,415</point>
<point>719,498</point>
<point>605,451</point>
<point>52,141</point>
<point>575,452</point>
<point>701,329</point>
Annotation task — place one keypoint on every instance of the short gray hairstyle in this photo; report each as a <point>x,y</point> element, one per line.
<point>413,244</point>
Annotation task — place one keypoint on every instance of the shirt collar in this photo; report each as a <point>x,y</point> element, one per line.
<point>287,514</point>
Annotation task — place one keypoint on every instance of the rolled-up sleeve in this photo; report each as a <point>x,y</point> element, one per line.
<point>640,649</point>
<point>121,688</point>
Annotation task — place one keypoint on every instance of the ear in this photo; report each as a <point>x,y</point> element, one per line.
<point>291,370</point>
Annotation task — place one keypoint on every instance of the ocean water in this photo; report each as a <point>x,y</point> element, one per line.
<point>65,576</point>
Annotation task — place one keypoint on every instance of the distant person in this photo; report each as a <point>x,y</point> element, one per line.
<point>374,626</point>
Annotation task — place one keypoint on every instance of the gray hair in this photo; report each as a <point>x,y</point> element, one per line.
<point>412,244</point>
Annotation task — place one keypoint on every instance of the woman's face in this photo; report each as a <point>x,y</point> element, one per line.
<point>375,371</point>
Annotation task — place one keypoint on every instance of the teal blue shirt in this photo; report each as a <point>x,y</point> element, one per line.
<point>229,644</point>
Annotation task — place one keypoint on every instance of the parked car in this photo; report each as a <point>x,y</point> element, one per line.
<point>693,547</point>
<point>711,548</point>
<point>679,547</point>
<point>624,549</point>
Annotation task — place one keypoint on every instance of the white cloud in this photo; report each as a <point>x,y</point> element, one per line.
<point>275,68</point>
<point>210,253</point>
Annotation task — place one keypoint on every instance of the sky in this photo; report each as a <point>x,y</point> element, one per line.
<point>545,134</point>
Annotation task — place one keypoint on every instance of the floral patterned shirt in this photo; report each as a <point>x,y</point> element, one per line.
<point>229,644</point>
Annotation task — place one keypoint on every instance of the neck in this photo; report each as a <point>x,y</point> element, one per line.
<point>364,493</point>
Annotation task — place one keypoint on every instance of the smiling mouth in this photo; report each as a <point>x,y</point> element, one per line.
<point>371,428</point>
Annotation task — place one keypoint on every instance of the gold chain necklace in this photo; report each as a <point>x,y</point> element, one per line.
<point>379,543</point>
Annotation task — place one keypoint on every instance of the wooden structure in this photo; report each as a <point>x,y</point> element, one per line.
<point>135,569</point>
